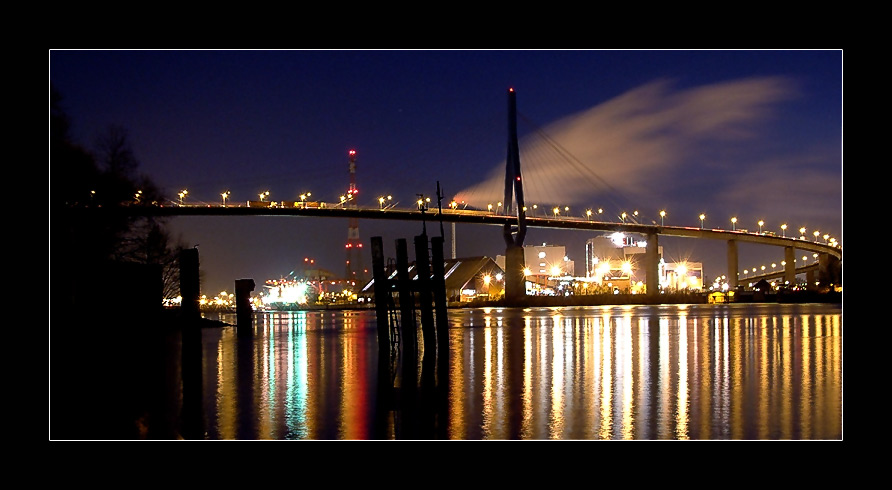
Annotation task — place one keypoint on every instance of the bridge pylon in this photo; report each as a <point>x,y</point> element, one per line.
<point>515,280</point>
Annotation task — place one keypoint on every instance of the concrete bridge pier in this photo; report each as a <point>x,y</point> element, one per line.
<point>790,266</point>
<point>652,265</point>
<point>829,269</point>
<point>515,281</point>
<point>810,281</point>
<point>732,265</point>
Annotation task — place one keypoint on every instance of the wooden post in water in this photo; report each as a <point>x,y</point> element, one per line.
<point>244,313</point>
<point>408,338</point>
<point>382,292</point>
<point>409,330</point>
<point>441,398</point>
<point>422,266</point>
<point>191,355</point>
<point>439,287</point>
<point>190,289</point>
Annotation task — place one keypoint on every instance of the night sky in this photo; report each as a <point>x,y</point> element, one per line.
<point>751,134</point>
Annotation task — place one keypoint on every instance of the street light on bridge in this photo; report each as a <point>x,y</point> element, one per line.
<point>816,234</point>
<point>733,223</point>
<point>183,195</point>
<point>760,226</point>
<point>784,230</point>
<point>225,195</point>
<point>623,216</point>
<point>556,211</point>
<point>802,233</point>
<point>662,215</point>
<point>702,217</point>
<point>263,194</point>
<point>826,236</point>
<point>588,214</point>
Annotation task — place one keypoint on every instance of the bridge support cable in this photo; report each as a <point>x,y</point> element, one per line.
<point>581,170</point>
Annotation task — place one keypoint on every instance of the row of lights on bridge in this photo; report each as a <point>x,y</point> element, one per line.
<point>383,201</point>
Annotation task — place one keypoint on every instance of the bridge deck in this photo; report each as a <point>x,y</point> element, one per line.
<point>474,217</point>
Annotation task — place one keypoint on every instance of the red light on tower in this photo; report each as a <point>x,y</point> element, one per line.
<point>354,245</point>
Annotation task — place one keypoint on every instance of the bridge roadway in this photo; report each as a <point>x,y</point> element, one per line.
<point>486,218</point>
<point>489,218</point>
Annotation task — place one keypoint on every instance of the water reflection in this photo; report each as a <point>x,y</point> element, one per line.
<point>633,372</point>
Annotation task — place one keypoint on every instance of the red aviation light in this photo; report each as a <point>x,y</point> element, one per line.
<point>352,152</point>
<point>511,89</point>
<point>518,178</point>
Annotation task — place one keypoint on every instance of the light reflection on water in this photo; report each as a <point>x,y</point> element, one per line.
<point>632,372</point>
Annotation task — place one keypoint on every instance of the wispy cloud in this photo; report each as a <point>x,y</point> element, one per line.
<point>638,143</point>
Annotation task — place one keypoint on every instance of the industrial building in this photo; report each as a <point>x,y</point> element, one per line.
<point>613,259</point>
<point>467,279</point>
<point>546,266</point>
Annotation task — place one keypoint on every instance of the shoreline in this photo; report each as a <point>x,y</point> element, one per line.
<point>598,300</point>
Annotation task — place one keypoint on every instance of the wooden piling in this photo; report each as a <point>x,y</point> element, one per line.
<point>382,293</point>
<point>190,289</point>
<point>191,353</point>
<point>244,312</point>
<point>439,290</point>
<point>409,329</point>
<point>425,300</point>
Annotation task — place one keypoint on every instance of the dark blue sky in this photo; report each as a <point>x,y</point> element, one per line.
<point>752,134</point>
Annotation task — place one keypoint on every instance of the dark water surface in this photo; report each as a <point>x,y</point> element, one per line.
<point>756,371</point>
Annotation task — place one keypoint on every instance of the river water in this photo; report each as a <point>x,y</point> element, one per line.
<point>740,371</point>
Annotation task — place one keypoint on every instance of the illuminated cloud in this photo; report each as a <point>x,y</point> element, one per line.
<point>635,144</point>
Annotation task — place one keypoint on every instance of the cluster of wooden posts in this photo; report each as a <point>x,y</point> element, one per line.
<point>396,291</point>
